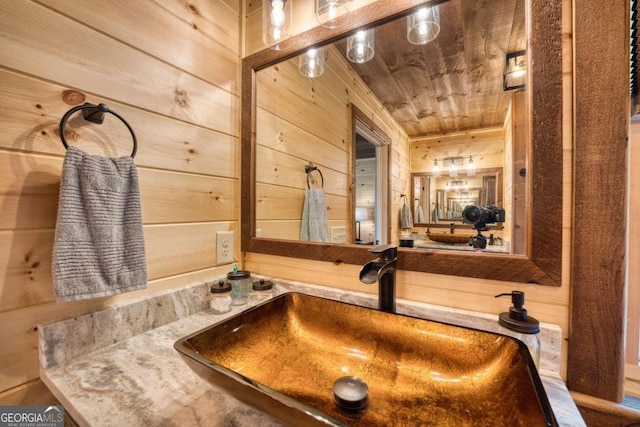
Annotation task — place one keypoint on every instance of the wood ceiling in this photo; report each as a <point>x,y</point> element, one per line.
<point>455,82</point>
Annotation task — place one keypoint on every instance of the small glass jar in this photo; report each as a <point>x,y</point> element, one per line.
<point>220,297</point>
<point>240,286</point>
<point>263,290</point>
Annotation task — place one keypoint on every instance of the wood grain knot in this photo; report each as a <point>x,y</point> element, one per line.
<point>73,97</point>
<point>193,9</point>
<point>181,98</point>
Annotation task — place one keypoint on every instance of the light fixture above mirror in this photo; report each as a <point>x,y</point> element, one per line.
<point>471,167</point>
<point>276,22</point>
<point>424,25</point>
<point>453,166</point>
<point>332,13</point>
<point>311,63</point>
<point>360,46</point>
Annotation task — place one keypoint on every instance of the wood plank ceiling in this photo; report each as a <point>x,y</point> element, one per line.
<point>455,82</point>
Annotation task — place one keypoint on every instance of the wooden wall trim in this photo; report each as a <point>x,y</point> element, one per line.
<point>596,348</point>
<point>598,412</point>
<point>31,393</point>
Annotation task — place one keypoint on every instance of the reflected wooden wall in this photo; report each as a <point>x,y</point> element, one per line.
<point>303,121</point>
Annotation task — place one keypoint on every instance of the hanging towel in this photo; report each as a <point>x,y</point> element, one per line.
<point>406,221</point>
<point>435,215</point>
<point>419,214</point>
<point>314,225</point>
<point>98,247</point>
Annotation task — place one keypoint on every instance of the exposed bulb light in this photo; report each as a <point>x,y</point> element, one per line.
<point>332,13</point>
<point>424,25</point>
<point>453,169</point>
<point>360,46</point>
<point>311,63</point>
<point>276,22</point>
<point>436,169</point>
<point>277,13</point>
<point>471,167</point>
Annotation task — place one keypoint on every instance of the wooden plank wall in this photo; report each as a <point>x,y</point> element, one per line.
<point>485,145</point>
<point>548,304</point>
<point>172,70</point>
<point>303,121</point>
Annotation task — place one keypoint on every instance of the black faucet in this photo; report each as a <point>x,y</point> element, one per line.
<point>383,269</point>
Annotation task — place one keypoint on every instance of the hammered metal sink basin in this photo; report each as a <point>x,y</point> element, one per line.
<point>449,238</point>
<point>284,356</point>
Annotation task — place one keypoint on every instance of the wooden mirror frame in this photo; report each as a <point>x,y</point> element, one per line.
<point>543,261</point>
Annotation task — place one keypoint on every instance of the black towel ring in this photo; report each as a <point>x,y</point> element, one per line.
<point>95,114</point>
<point>308,169</point>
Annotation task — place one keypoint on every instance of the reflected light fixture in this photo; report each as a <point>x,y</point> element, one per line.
<point>332,13</point>
<point>276,22</point>
<point>453,169</point>
<point>423,25</point>
<point>311,63</point>
<point>360,46</point>
<point>471,167</point>
<point>515,70</point>
<point>436,168</point>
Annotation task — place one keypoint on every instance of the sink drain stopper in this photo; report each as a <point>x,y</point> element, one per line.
<point>351,393</point>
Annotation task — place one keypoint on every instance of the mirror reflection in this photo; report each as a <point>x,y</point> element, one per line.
<point>449,103</point>
<point>438,199</point>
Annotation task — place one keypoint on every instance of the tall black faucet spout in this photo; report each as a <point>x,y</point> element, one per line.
<point>383,270</point>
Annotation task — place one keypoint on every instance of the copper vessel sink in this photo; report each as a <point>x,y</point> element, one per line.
<point>449,238</point>
<point>284,356</point>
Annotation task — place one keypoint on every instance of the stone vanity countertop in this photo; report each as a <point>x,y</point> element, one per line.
<point>107,370</point>
<point>429,244</point>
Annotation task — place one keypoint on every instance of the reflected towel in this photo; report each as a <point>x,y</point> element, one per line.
<point>420,219</point>
<point>98,248</point>
<point>315,226</point>
<point>406,221</point>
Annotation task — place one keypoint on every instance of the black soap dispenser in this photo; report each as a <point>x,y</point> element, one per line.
<point>518,324</point>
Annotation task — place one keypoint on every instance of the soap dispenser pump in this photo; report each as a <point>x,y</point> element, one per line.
<point>520,325</point>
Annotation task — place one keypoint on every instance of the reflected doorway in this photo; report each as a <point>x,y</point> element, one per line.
<point>371,183</point>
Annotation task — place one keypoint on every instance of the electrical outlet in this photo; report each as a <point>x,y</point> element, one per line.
<point>258,232</point>
<point>339,234</point>
<point>224,247</point>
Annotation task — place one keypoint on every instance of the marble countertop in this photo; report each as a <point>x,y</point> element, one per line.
<point>118,366</point>
<point>430,244</point>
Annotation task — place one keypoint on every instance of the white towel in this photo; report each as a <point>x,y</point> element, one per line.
<point>315,226</point>
<point>419,214</point>
<point>98,248</point>
<point>406,221</point>
<point>435,215</point>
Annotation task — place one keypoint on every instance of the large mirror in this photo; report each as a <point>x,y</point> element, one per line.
<point>265,166</point>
